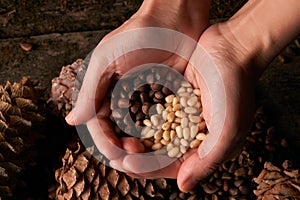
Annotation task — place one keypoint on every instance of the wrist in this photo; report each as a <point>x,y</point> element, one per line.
<point>187,16</point>
<point>261,29</point>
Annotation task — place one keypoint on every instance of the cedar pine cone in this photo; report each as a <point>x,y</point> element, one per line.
<point>20,119</point>
<point>278,183</point>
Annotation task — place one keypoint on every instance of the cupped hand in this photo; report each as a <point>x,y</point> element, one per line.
<point>223,73</point>
<point>119,52</point>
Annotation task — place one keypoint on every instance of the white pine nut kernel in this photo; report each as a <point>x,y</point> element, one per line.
<point>181,90</point>
<point>150,134</point>
<point>190,90</point>
<point>176,142</point>
<point>154,120</point>
<point>173,152</point>
<point>145,130</point>
<point>170,146</point>
<point>183,101</point>
<point>184,122</point>
<point>179,155</point>
<point>179,132</point>
<point>190,110</point>
<point>164,115</point>
<point>182,149</point>
<point>184,142</point>
<point>192,101</point>
<point>186,133</point>
<point>194,118</point>
<point>191,124</point>
<point>185,84</point>
<point>193,131</point>
<point>159,108</point>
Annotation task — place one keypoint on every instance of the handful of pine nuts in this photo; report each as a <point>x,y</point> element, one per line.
<point>164,111</point>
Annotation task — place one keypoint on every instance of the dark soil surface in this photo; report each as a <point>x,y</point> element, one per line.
<point>63,30</point>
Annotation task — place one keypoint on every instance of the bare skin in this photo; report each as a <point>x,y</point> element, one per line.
<point>241,49</point>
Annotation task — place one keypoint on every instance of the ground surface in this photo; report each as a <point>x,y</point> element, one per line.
<point>63,30</point>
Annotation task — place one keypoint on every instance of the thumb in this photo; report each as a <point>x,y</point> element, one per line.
<point>93,90</point>
<point>220,124</point>
<point>193,170</point>
<point>206,160</point>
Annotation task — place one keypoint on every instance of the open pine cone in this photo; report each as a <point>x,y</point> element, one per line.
<point>278,183</point>
<point>19,131</point>
<point>82,177</point>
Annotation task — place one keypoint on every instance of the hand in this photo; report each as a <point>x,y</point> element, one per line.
<point>240,52</point>
<point>226,81</point>
<point>102,72</point>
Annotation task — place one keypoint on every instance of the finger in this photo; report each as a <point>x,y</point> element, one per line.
<point>93,90</point>
<point>104,138</point>
<point>146,166</point>
<point>226,133</point>
<point>146,162</point>
<point>132,145</point>
<point>198,167</point>
<point>170,171</point>
<point>117,164</point>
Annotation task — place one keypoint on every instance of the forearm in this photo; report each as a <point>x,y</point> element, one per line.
<point>262,28</point>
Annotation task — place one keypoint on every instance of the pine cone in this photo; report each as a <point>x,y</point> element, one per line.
<point>19,122</point>
<point>65,88</point>
<point>84,177</point>
<point>278,183</point>
<point>233,180</point>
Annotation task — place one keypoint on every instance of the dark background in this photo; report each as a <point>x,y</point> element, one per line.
<point>63,30</point>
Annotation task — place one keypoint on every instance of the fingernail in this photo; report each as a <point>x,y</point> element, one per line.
<point>70,118</point>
